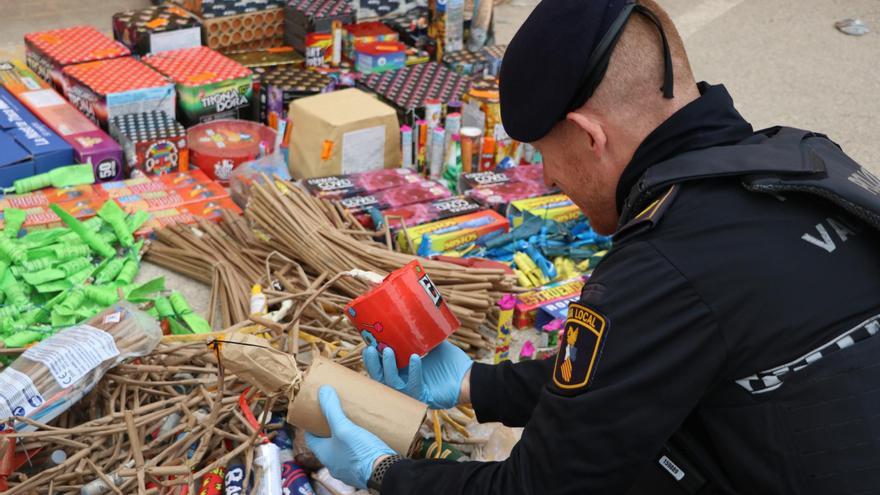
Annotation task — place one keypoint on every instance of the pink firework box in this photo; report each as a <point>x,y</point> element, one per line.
<point>526,173</point>
<point>342,186</point>
<point>499,196</point>
<point>105,89</point>
<point>48,52</point>
<point>426,190</point>
<point>523,173</point>
<point>419,213</point>
<point>90,144</point>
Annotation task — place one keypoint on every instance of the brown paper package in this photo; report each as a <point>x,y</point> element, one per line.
<point>327,128</point>
<point>390,415</point>
<point>387,413</point>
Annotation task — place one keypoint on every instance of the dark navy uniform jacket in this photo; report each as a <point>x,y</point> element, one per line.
<point>714,303</point>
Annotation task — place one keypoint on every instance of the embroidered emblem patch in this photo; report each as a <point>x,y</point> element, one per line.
<point>580,347</point>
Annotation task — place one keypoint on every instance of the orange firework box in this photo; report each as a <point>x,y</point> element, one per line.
<point>187,214</point>
<point>181,179</point>
<point>48,52</point>
<point>165,199</point>
<point>528,303</point>
<point>41,217</point>
<point>143,185</point>
<point>405,312</point>
<point>48,196</point>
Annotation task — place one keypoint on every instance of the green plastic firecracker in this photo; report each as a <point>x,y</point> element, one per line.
<point>72,175</point>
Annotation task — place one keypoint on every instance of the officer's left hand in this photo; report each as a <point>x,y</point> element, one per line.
<point>350,451</point>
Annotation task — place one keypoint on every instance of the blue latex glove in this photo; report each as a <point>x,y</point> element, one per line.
<point>434,380</point>
<point>350,451</point>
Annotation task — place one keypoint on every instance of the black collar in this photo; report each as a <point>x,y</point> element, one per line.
<point>710,120</point>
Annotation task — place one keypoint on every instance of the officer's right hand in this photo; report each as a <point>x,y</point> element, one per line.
<point>435,380</point>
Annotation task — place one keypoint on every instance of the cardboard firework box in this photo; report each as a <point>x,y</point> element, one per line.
<point>157,29</point>
<point>417,192</point>
<point>380,56</point>
<point>499,196</point>
<point>48,52</point>
<point>251,30</point>
<point>153,142</point>
<point>106,89</point>
<point>45,150</point>
<point>421,213</point>
<point>409,88</point>
<point>451,233</point>
<point>221,8</point>
<point>283,84</point>
<point>485,62</point>
<point>209,85</point>
<point>342,186</point>
<point>90,144</point>
<point>556,207</point>
<point>304,17</point>
<point>366,32</point>
<point>528,303</point>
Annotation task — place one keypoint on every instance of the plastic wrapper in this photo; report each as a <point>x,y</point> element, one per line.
<point>51,376</point>
<point>249,173</point>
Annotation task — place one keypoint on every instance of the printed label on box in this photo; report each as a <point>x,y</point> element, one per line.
<point>18,395</point>
<point>71,354</point>
<point>175,40</point>
<point>43,98</point>
<point>363,150</point>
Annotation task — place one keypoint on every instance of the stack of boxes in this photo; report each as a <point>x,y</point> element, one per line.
<point>157,29</point>
<point>308,22</point>
<point>106,89</point>
<point>209,85</point>
<point>153,142</point>
<point>48,52</point>
<point>409,88</point>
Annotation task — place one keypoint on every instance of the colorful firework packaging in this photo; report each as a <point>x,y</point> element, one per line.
<point>48,52</point>
<point>452,233</point>
<point>153,142</point>
<point>32,148</point>
<point>106,89</point>
<point>499,196</point>
<point>260,29</point>
<point>421,213</point>
<point>281,85</point>
<point>366,32</point>
<point>209,85</point>
<point>486,62</point>
<point>405,312</point>
<point>409,88</point>
<point>218,147</point>
<point>419,192</point>
<point>380,56</point>
<point>157,29</point>
<point>447,25</point>
<point>304,17</point>
<point>342,186</point>
<point>90,144</point>
<point>222,8</point>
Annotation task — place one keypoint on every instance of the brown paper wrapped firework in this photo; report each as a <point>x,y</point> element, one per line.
<point>388,414</point>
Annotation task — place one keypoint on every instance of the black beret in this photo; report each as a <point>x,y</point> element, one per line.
<point>547,63</point>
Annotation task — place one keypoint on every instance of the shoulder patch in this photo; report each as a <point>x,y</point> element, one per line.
<point>650,216</point>
<point>580,348</point>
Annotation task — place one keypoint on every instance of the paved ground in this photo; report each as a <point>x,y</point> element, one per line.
<point>783,61</point>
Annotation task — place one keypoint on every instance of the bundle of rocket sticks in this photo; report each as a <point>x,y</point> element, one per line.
<point>302,247</point>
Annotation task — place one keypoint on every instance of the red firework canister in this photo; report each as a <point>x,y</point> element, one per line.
<point>220,146</point>
<point>405,312</point>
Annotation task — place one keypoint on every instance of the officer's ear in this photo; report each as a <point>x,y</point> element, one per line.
<point>595,134</point>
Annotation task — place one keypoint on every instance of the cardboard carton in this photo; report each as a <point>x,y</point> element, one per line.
<point>342,132</point>
<point>46,149</point>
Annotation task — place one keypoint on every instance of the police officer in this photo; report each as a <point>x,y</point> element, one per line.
<point>738,307</point>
